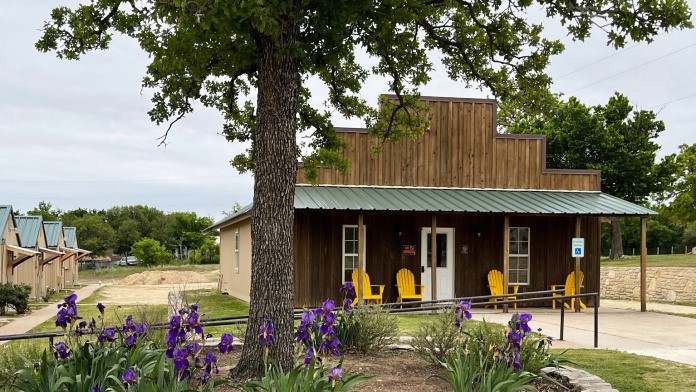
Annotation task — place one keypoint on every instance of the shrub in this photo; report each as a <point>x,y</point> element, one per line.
<point>376,328</point>
<point>436,339</point>
<point>15,296</point>
<point>150,252</point>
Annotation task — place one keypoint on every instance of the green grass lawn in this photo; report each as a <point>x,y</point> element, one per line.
<point>677,260</point>
<point>633,373</point>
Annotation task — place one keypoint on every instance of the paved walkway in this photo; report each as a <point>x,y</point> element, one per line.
<point>36,317</point>
<point>653,334</point>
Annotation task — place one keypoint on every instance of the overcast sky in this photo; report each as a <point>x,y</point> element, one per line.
<point>76,133</point>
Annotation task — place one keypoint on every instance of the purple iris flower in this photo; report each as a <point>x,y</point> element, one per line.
<point>95,389</point>
<point>210,362</point>
<point>101,308</point>
<point>193,307</point>
<point>129,377</point>
<point>193,348</point>
<point>348,305</point>
<point>514,339</point>
<point>108,334</point>
<point>330,345</point>
<point>129,326</point>
<point>225,345</point>
<point>130,340</point>
<point>141,329</point>
<point>514,360</point>
<point>327,306</point>
<point>266,333</point>
<point>335,375</point>
<point>463,309</point>
<point>71,299</point>
<point>61,351</point>
<point>181,362</point>
<point>192,322</point>
<point>524,319</point>
<point>310,354</point>
<point>303,330</point>
<point>348,288</point>
<point>175,322</point>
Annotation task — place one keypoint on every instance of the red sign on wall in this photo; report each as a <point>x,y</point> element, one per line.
<point>409,250</point>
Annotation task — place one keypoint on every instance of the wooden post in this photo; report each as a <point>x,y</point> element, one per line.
<point>433,259</point>
<point>643,264</point>
<point>361,259</point>
<point>506,259</point>
<point>577,268</point>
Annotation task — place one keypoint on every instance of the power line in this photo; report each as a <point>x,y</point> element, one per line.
<point>44,197</point>
<point>673,101</point>
<point>119,181</point>
<point>632,68</point>
<point>598,61</point>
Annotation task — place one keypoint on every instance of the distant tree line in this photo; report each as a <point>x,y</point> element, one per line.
<point>621,141</point>
<point>117,229</point>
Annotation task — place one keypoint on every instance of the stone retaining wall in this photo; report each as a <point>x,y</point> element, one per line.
<point>670,284</point>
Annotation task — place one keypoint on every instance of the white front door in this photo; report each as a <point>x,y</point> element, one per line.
<point>445,263</point>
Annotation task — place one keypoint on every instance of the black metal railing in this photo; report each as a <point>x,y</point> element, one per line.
<point>393,307</point>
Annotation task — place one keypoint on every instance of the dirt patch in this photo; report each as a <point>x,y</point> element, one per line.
<point>165,278</point>
<point>391,371</point>
<point>153,287</point>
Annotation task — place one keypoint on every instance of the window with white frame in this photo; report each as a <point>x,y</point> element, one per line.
<point>519,256</point>
<point>350,251</point>
<point>236,251</point>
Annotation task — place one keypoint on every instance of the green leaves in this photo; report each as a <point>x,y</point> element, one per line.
<point>209,52</point>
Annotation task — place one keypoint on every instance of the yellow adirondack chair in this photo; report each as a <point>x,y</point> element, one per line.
<point>495,283</point>
<point>368,295</point>
<point>407,286</point>
<point>568,289</point>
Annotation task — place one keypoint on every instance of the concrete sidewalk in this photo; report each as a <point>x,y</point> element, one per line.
<point>31,320</point>
<point>653,334</point>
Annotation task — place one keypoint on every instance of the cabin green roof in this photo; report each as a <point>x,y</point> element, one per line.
<point>70,234</point>
<point>464,200</point>
<point>53,230</point>
<point>29,228</point>
<point>5,213</point>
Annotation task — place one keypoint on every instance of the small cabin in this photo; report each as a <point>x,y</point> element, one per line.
<point>489,199</point>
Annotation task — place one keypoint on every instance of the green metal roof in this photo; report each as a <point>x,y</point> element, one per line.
<point>70,234</point>
<point>53,231</point>
<point>28,227</point>
<point>229,218</point>
<point>499,201</point>
<point>491,201</point>
<point>5,212</point>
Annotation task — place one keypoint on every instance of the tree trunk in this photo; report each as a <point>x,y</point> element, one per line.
<point>275,153</point>
<point>616,240</point>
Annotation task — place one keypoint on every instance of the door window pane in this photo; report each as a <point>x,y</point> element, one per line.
<point>441,257</point>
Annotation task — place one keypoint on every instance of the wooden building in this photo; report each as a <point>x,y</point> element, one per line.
<point>53,270</point>
<point>488,197</point>
<point>73,254</point>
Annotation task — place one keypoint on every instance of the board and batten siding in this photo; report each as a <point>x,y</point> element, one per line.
<point>318,243</point>
<point>462,149</point>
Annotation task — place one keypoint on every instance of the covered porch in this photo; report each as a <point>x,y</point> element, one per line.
<point>524,234</point>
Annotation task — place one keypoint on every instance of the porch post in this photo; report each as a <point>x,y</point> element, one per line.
<point>506,259</point>
<point>361,258</point>
<point>577,268</point>
<point>433,259</point>
<point>643,264</point>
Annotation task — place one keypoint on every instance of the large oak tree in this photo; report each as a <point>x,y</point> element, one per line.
<point>614,138</point>
<point>215,51</point>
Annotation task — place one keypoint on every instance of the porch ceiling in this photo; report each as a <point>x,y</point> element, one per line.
<point>500,201</point>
